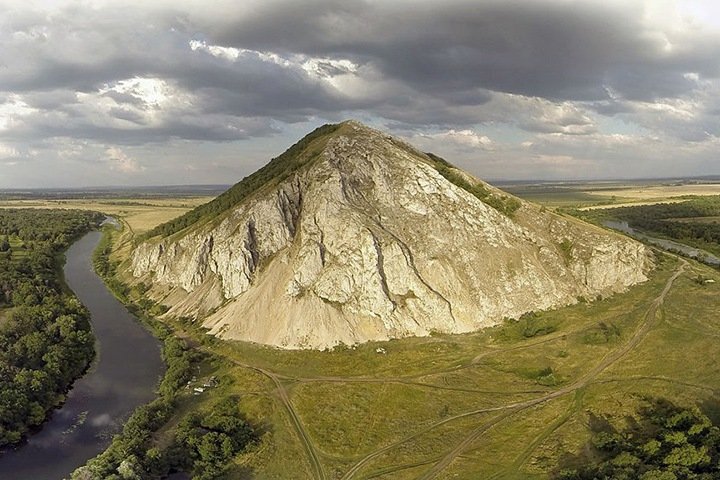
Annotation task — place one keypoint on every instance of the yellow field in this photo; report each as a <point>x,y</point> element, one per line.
<point>599,195</point>
<point>631,204</point>
<point>656,192</point>
<point>139,215</point>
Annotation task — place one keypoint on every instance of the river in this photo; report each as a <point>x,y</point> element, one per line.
<point>124,376</point>
<point>670,245</point>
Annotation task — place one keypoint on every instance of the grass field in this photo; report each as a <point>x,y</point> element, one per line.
<point>710,220</point>
<point>659,192</point>
<point>17,248</point>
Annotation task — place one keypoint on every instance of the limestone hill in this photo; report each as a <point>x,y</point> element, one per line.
<point>353,235</point>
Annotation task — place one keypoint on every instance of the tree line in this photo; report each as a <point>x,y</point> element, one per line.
<point>669,219</point>
<point>664,442</point>
<point>45,339</point>
<point>202,445</point>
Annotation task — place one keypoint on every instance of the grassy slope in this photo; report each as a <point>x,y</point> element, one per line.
<point>503,203</point>
<point>275,172</point>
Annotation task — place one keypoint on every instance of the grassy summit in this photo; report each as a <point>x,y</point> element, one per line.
<point>299,155</point>
<point>276,171</point>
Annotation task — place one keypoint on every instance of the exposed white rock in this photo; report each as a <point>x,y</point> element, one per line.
<point>370,242</point>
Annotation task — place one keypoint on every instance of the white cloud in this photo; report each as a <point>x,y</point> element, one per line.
<point>463,138</point>
<point>318,68</point>
<point>541,115</point>
<point>121,162</point>
<point>233,54</point>
<point>6,151</point>
<point>227,53</point>
<point>13,111</point>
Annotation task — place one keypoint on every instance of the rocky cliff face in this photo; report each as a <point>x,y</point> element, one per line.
<point>368,241</point>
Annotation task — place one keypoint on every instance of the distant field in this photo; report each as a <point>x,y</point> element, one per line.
<point>658,192</point>
<point>598,195</point>
<point>631,204</point>
<point>140,214</point>
<point>561,199</point>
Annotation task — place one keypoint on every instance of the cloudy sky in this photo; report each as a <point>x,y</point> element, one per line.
<point>183,92</point>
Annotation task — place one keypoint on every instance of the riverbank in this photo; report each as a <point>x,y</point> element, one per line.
<point>179,431</point>
<point>124,376</point>
<point>669,245</point>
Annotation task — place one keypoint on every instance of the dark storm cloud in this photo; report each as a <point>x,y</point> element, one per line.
<point>50,100</point>
<point>128,115</point>
<point>443,60</point>
<point>130,73</point>
<point>212,129</point>
<point>550,49</point>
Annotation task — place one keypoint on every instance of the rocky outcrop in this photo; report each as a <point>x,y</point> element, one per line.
<point>369,242</point>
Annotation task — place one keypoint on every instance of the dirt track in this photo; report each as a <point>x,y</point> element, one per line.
<point>648,322</point>
<point>505,411</point>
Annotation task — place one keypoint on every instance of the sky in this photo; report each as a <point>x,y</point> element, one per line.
<point>100,93</point>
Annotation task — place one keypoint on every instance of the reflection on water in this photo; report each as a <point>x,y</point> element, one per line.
<point>692,252</point>
<point>124,376</point>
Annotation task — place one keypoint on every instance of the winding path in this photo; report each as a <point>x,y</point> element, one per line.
<point>303,436</point>
<point>648,321</point>
<point>503,411</point>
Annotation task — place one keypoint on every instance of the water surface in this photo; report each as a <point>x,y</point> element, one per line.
<point>692,252</point>
<point>123,376</point>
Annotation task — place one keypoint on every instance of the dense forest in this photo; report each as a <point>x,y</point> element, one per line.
<point>45,337</point>
<point>665,442</point>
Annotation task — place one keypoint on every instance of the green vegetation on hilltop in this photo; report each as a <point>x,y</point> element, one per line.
<point>276,171</point>
<point>283,166</point>
<point>45,341</point>
<point>502,203</point>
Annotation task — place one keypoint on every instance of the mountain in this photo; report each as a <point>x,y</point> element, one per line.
<point>353,235</point>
